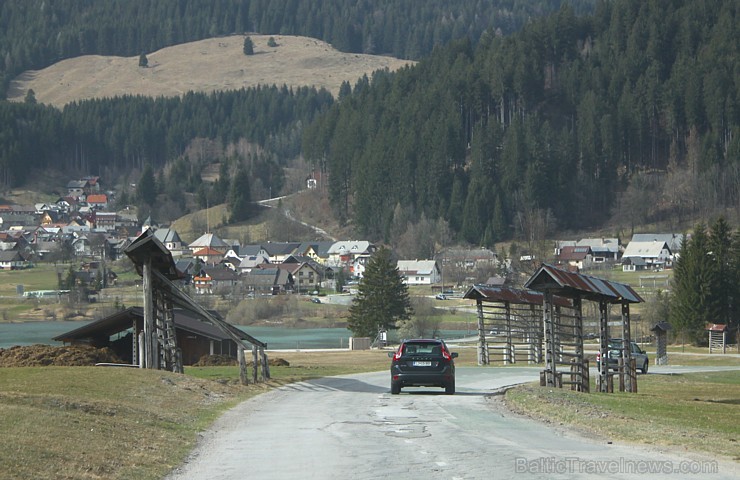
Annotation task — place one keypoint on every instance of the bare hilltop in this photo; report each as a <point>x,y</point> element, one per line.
<point>204,66</point>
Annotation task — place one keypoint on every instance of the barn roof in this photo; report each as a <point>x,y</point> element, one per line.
<point>122,321</point>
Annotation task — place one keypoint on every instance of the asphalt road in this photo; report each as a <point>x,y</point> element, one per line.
<point>351,427</point>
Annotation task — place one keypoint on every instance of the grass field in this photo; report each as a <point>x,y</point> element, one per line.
<point>214,64</point>
<point>698,411</point>
<point>114,423</point>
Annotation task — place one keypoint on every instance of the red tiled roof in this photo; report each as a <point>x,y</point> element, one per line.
<point>97,198</point>
<point>207,251</point>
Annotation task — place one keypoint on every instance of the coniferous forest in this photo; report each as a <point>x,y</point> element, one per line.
<point>521,117</point>
<point>631,113</point>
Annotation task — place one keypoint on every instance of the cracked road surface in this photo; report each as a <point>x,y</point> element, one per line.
<point>352,427</point>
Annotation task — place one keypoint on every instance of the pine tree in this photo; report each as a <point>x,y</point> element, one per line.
<point>248,46</point>
<point>720,251</point>
<point>239,198</point>
<point>146,189</point>
<point>382,299</point>
<point>694,276</point>
<point>143,61</point>
<point>30,97</point>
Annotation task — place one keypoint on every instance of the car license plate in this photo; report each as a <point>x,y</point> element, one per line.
<point>422,364</point>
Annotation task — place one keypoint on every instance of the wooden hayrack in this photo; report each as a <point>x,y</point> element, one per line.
<point>157,344</point>
<point>567,330</point>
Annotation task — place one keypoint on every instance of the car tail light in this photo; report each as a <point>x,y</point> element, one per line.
<point>397,355</point>
<point>598,356</point>
<point>446,355</point>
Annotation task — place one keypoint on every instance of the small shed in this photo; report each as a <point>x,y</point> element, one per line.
<point>717,337</point>
<point>661,342</point>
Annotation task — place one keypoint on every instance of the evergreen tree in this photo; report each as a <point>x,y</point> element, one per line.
<point>30,97</point>
<point>146,189</point>
<point>239,198</point>
<point>694,276</point>
<point>720,252</point>
<point>143,61</point>
<point>248,46</point>
<point>382,299</point>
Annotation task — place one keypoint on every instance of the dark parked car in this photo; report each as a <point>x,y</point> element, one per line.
<point>423,363</point>
<point>615,351</point>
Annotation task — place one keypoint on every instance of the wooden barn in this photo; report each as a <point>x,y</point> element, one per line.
<point>195,337</point>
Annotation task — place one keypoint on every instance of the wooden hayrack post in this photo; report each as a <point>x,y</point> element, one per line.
<point>509,323</point>
<point>661,342</point>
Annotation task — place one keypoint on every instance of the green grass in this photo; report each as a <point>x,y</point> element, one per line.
<point>699,411</point>
<point>41,277</point>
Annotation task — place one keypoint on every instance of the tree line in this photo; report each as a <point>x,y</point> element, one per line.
<point>37,33</point>
<point>114,136</point>
<point>565,124</point>
<point>706,282</point>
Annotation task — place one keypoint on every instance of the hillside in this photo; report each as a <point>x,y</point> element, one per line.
<point>214,64</point>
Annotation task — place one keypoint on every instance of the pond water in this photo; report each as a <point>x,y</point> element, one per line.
<point>31,333</point>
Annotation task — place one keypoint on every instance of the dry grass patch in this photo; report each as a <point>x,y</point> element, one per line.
<point>209,65</point>
<point>92,422</point>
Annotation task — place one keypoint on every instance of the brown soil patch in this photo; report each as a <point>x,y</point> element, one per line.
<point>214,64</point>
<point>45,355</point>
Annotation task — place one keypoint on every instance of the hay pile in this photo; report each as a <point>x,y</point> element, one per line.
<point>45,355</point>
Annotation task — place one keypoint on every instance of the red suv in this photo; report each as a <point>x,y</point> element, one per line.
<point>423,363</point>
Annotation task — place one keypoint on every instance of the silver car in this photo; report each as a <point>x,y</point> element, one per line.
<point>615,351</point>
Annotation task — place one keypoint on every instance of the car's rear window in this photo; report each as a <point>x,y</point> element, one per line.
<point>422,348</point>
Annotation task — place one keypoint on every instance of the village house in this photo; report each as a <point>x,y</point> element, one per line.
<point>673,240</point>
<point>352,254</point>
<point>420,272</point>
<point>655,254</point>
<point>209,256</point>
<point>279,251</point>
<point>171,241</point>
<point>105,221</point>
<point>221,279</point>
<point>268,280</point>
<point>306,273</point>
<point>316,251</point>
<point>97,201</point>
<point>211,242</point>
<point>12,260</point>
<point>603,250</point>
<point>76,188</point>
<point>203,283</point>
<point>574,256</point>
<point>251,262</point>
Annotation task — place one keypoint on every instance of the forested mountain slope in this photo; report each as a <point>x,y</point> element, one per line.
<point>633,112</point>
<point>259,129</point>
